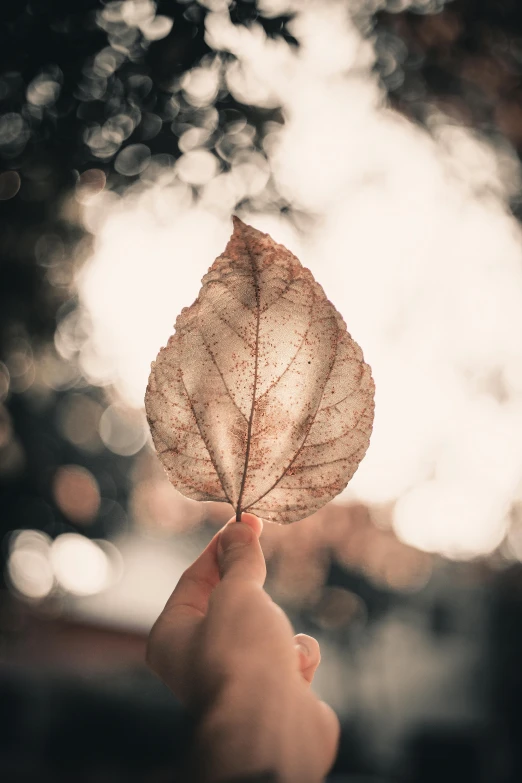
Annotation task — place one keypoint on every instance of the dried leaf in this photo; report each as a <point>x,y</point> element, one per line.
<point>261,398</point>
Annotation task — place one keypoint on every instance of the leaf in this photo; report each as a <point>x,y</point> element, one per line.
<point>261,398</point>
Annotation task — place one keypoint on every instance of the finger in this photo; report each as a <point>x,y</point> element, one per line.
<point>309,655</point>
<point>196,583</point>
<point>239,552</point>
<point>191,594</point>
<point>172,632</point>
<point>254,522</point>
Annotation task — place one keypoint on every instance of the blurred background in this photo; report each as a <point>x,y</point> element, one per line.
<point>380,141</point>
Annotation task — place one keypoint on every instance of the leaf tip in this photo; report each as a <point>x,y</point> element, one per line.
<point>237,223</point>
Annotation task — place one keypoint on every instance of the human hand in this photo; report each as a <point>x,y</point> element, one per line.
<point>228,652</point>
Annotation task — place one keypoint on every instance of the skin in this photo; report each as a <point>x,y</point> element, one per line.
<point>229,654</point>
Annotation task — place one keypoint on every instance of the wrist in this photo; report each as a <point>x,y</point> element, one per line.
<point>237,735</point>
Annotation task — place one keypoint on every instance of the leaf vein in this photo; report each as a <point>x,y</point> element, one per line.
<point>203,438</point>
<point>305,437</point>
<point>353,428</point>
<point>282,294</point>
<point>225,286</point>
<point>227,323</point>
<point>187,455</point>
<point>216,365</point>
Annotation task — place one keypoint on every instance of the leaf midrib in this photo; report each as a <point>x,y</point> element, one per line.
<point>254,389</point>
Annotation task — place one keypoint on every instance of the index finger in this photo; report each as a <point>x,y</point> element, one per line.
<point>170,639</point>
<point>170,635</point>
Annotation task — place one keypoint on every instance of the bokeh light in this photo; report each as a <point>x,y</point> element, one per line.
<point>133,160</point>
<point>451,518</point>
<point>79,419</point>
<point>78,565</point>
<point>81,566</point>
<point>76,493</point>
<point>337,608</point>
<point>20,364</point>
<point>29,566</point>
<point>90,184</point>
<point>123,430</point>
<point>9,184</point>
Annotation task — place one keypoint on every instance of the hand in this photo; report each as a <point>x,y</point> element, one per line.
<point>228,652</point>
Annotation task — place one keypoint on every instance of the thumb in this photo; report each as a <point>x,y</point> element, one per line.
<point>239,552</point>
